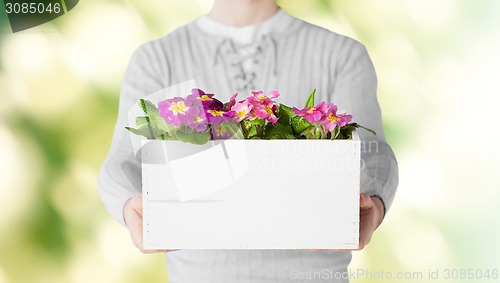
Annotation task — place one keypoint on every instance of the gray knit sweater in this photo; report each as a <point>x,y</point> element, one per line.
<point>294,61</point>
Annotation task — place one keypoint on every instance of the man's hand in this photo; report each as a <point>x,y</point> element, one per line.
<point>132,213</point>
<point>371,214</point>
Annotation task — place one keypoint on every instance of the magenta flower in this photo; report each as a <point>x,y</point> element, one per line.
<point>199,97</point>
<point>259,96</point>
<point>266,111</point>
<point>344,119</point>
<point>175,110</point>
<point>231,103</point>
<point>216,117</point>
<point>242,110</point>
<point>331,119</point>
<point>313,114</point>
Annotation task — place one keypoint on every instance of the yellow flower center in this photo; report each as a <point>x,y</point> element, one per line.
<point>241,114</point>
<point>205,98</point>
<point>269,110</point>
<point>178,107</point>
<point>197,119</point>
<point>220,130</point>
<point>311,110</point>
<point>332,118</point>
<point>215,112</point>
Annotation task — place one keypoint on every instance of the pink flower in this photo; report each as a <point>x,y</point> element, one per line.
<point>266,111</point>
<point>196,119</point>
<point>174,110</point>
<point>313,114</point>
<point>331,119</point>
<point>344,119</point>
<point>241,110</point>
<point>259,96</point>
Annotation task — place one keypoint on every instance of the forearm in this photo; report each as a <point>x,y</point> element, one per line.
<point>119,179</point>
<point>379,173</point>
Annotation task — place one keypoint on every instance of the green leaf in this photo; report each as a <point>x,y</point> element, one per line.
<point>252,132</point>
<point>250,128</point>
<point>369,130</point>
<point>157,122</point>
<point>299,125</point>
<point>144,131</point>
<point>234,130</point>
<point>310,99</point>
<point>346,132</point>
<point>257,122</point>
<point>144,120</point>
<point>280,136</point>
<point>278,129</point>
<point>284,114</point>
<point>194,138</point>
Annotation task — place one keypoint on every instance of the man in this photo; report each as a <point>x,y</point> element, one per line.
<point>242,46</point>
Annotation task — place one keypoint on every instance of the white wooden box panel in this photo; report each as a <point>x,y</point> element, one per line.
<point>251,194</point>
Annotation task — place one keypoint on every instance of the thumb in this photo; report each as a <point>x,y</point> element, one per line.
<point>364,200</point>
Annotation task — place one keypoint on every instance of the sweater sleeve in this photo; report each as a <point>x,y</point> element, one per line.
<point>355,91</point>
<point>120,175</point>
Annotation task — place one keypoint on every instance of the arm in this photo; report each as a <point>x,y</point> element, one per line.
<point>119,179</point>
<point>355,89</point>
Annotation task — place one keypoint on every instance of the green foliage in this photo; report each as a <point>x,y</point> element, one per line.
<point>310,99</point>
<point>194,138</point>
<point>278,131</point>
<point>300,125</point>
<point>285,114</point>
<point>155,120</point>
<point>282,129</point>
<point>144,120</point>
<point>144,130</point>
<point>152,126</point>
<point>253,128</point>
<point>234,130</point>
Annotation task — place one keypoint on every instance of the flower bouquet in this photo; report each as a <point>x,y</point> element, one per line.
<point>248,174</point>
<point>201,117</point>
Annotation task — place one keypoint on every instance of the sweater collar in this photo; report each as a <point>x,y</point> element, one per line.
<point>278,23</point>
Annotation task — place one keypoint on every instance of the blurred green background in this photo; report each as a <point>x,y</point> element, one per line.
<point>439,88</point>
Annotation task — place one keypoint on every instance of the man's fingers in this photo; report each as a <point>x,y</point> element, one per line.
<point>365,200</point>
<point>138,205</point>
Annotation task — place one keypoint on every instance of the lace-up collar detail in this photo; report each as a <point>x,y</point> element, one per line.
<point>246,64</point>
<point>245,57</point>
<point>245,35</point>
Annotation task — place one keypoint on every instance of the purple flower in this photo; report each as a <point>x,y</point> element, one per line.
<point>199,97</point>
<point>196,119</point>
<point>231,103</point>
<point>216,117</point>
<point>219,133</point>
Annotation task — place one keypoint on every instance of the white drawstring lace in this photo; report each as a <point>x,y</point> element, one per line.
<point>244,77</point>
